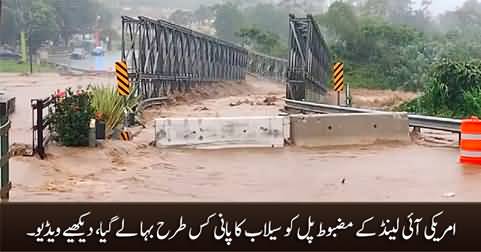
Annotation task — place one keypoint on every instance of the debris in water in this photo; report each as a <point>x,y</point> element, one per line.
<point>270,101</point>
<point>449,195</point>
<point>343,181</point>
<point>235,104</point>
<point>18,149</point>
<point>201,109</point>
<point>238,103</point>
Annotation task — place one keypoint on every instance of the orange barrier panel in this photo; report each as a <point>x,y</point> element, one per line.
<point>470,141</point>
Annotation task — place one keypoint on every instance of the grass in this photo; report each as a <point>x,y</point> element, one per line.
<point>11,66</point>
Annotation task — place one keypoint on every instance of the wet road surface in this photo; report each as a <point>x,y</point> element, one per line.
<point>90,63</point>
<point>376,173</point>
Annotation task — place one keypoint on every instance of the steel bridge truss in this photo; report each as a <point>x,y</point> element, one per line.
<point>164,58</point>
<point>267,67</point>
<point>308,71</point>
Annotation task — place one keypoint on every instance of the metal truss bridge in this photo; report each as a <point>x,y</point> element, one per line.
<point>164,58</point>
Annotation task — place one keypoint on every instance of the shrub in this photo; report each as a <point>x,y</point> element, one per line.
<point>71,117</point>
<point>110,105</point>
<point>455,91</point>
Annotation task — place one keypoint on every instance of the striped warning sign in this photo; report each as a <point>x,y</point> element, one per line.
<point>125,135</point>
<point>338,77</point>
<point>123,84</point>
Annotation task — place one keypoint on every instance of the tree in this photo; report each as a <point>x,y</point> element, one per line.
<point>341,22</point>
<point>49,18</point>
<point>269,17</point>
<point>262,41</point>
<point>8,24</point>
<point>182,17</point>
<point>203,13</point>
<point>38,20</point>
<point>395,11</point>
<point>303,7</point>
<point>85,18</point>
<point>228,21</point>
<point>466,19</point>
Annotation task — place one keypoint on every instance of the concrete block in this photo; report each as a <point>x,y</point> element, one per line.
<point>222,132</point>
<point>349,129</point>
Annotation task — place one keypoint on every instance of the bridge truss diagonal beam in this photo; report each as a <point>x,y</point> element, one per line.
<point>308,66</point>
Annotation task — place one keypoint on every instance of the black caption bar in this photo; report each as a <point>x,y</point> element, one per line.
<point>239,227</point>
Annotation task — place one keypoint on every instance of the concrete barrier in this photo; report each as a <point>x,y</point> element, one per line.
<point>218,133</point>
<point>349,129</point>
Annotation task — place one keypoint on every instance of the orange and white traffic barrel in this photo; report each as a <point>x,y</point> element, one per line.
<point>471,141</point>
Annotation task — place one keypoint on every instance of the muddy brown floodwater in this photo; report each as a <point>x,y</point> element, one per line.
<point>426,170</point>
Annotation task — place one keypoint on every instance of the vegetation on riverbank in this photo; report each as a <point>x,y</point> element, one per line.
<point>11,66</point>
<point>454,91</point>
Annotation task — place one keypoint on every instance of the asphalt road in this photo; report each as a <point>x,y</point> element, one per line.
<point>90,63</point>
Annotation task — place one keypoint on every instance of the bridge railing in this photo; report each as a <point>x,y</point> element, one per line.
<point>267,67</point>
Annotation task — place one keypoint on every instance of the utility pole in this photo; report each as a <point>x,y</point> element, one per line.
<point>1,11</point>
<point>30,51</point>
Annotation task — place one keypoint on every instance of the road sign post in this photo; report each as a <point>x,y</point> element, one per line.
<point>338,79</point>
<point>122,74</point>
<point>123,89</point>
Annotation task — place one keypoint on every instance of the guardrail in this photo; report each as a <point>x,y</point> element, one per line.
<point>436,123</point>
<point>267,67</point>
<point>147,103</point>
<point>417,121</point>
<point>40,124</point>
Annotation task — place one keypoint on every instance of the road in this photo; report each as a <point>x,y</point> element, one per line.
<point>135,171</point>
<point>90,63</point>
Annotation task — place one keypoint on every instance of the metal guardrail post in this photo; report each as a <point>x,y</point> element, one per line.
<point>40,147</point>
<point>5,184</point>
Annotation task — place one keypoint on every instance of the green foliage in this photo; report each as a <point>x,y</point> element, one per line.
<point>46,19</point>
<point>379,54</point>
<point>106,101</point>
<point>341,22</point>
<point>259,26</point>
<point>11,66</point>
<point>261,41</point>
<point>85,18</point>
<point>182,17</point>
<point>71,117</point>
<point>203,13</point>
<point>455,91</point>
<point>269,17</point>
<point>229,20</point>
<point>73,111</point>
<point>37,18</point>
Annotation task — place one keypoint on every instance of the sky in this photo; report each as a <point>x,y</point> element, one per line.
<point>440,6</point>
